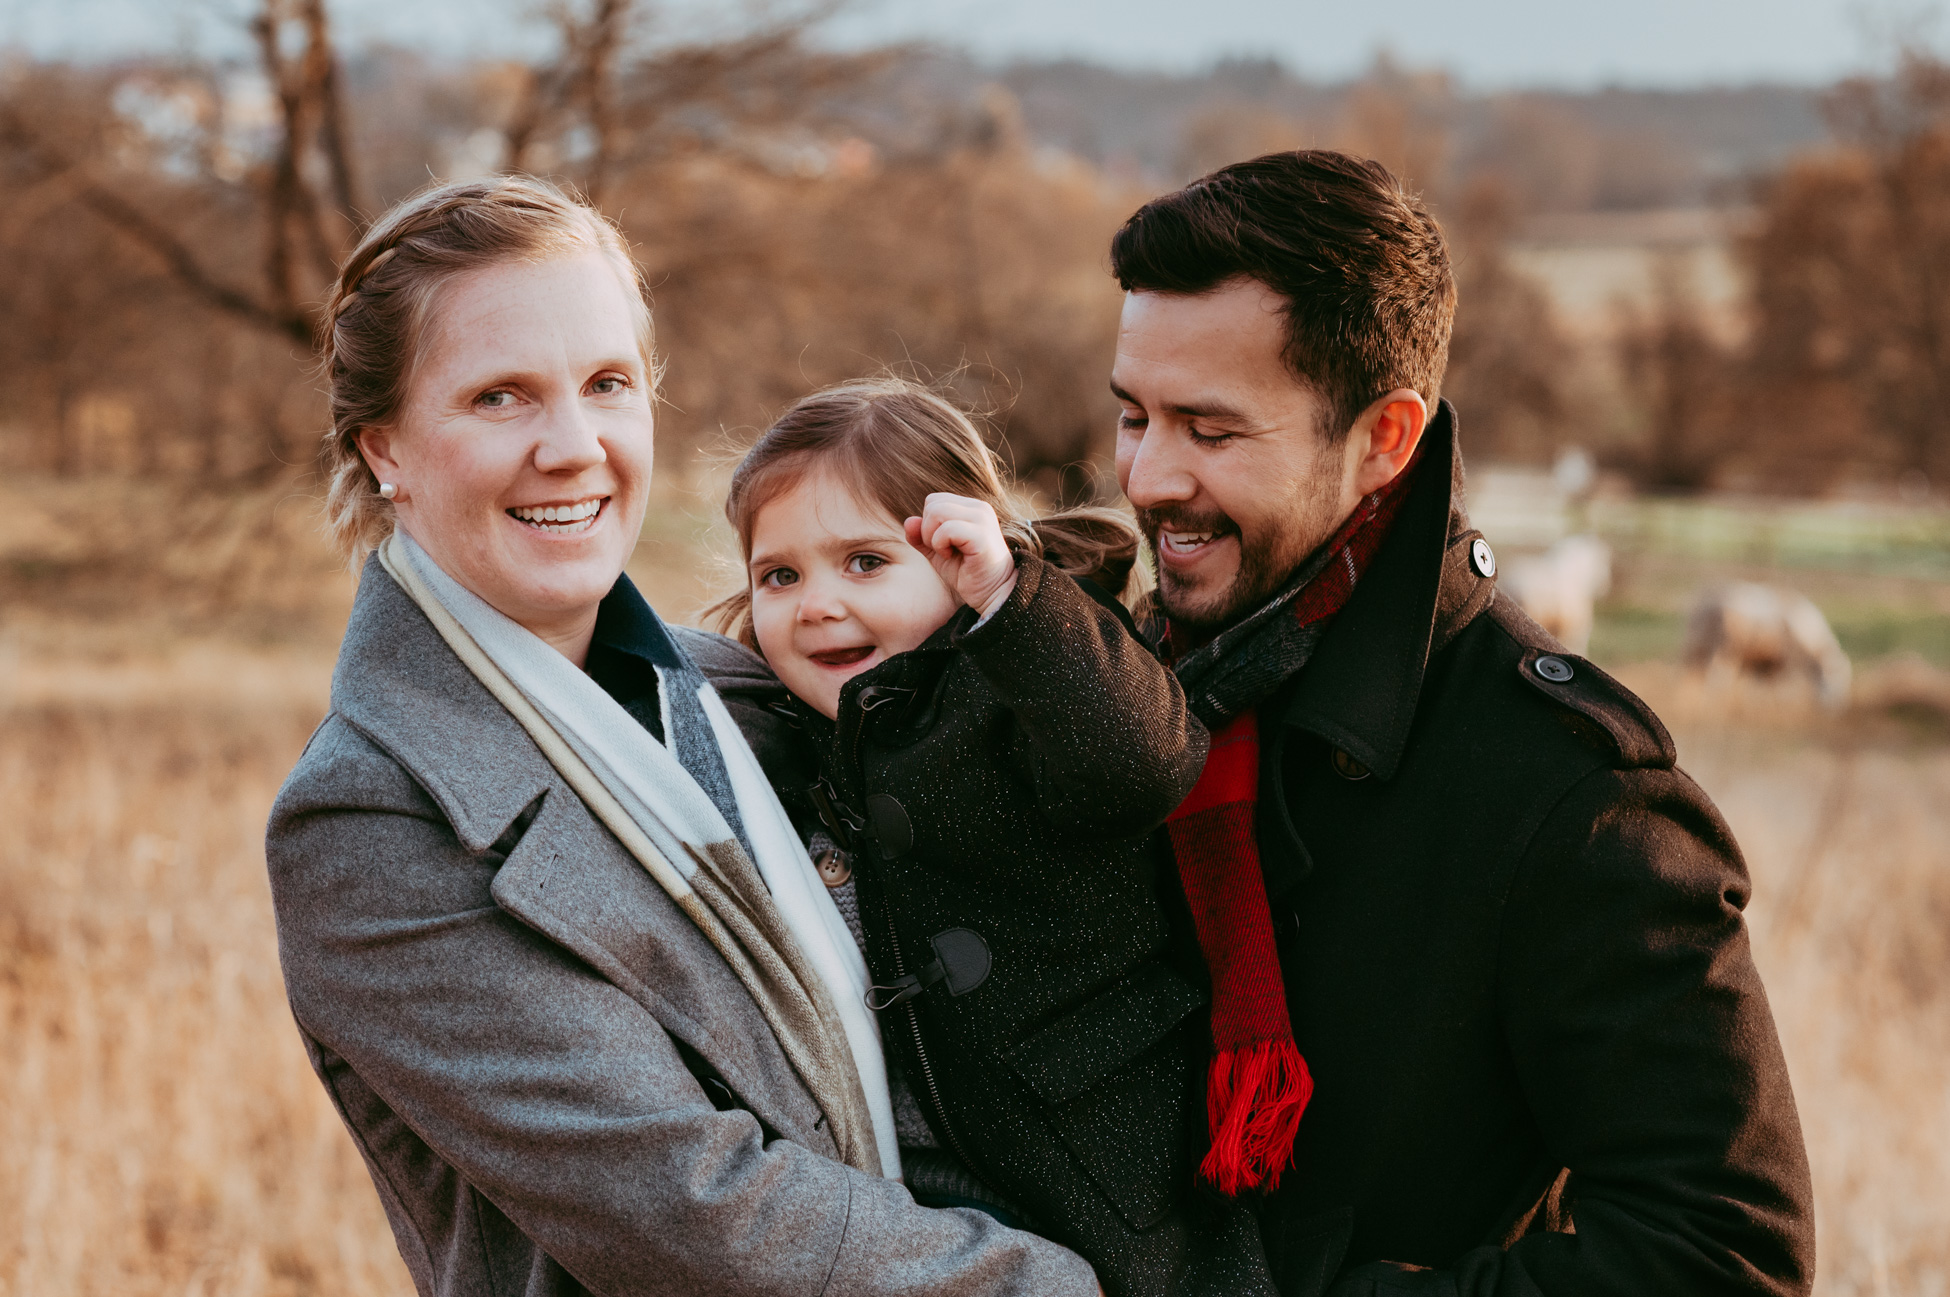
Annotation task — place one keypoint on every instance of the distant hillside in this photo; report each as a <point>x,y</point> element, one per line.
<point>1614,149</point>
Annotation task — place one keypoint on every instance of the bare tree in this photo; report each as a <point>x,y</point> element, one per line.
<point>789,243</point>
<point>296,221</point>
<point>307,89</point>
<point>576,89</point>
<point>611,100</point>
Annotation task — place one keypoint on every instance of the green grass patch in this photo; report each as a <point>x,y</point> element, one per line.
<point>1874,633</point>
<point>1633,632</point>
<point>1625,632</point>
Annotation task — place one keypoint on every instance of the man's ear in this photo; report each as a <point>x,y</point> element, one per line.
<point>1385,437</point>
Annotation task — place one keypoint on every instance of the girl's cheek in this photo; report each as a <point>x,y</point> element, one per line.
<point>910,612</point>
<point>765,623</point>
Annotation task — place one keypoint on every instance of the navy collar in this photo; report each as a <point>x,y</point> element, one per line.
<point>626,623</point>
<point>630,643</point>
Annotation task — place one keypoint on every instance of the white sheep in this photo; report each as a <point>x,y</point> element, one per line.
<point>1759,630</point>
<point>1560,587</point>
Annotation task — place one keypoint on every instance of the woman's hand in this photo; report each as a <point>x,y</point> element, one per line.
<point>962,539</point>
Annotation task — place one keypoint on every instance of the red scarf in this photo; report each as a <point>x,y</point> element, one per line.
<point>1258,1084</point>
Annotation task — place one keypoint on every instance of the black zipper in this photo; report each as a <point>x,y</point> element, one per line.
<point>921,1050</point>
<point>856,722</point>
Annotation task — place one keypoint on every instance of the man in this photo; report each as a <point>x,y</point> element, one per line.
<point>1508,930</point>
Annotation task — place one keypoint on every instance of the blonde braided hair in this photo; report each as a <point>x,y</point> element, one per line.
<point>380,307</point>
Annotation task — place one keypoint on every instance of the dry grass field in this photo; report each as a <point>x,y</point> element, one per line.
<point>160,1132</point>
<point>1846,828</point>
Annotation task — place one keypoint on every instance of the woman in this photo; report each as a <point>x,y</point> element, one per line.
<point>551,944</point>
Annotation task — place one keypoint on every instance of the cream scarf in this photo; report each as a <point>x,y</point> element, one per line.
<point>769,917</point>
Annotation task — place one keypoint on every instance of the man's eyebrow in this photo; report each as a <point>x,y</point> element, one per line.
<point>1202,410</point>
<point>1209,410</point>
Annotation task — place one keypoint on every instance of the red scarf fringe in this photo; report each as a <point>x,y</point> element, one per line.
<point>1253,1100</point>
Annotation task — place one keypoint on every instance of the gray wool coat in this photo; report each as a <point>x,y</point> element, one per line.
<point>557,1084</point>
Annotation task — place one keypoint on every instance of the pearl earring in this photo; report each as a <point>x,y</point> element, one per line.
<point>387,490</point>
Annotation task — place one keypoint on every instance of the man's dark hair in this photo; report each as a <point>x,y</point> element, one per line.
<point>1362,264</point>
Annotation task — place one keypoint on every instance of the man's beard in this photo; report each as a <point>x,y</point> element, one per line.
<point>1267,559</point>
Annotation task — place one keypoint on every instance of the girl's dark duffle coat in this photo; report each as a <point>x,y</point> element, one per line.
<point>999,787</point>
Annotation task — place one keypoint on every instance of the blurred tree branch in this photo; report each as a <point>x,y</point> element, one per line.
<point>307,90</point>
<point>599,108</point>
<point>187,268</point>
<point>579,80</point>
<point>1679,374</point>
<point>587,108</point>
<point>1511,369</point>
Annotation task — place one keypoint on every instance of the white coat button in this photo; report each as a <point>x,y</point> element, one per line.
<point>1482,557</point>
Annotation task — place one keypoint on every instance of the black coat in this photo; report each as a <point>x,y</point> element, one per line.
<point>1515,961</point>
<point>1000,786</point>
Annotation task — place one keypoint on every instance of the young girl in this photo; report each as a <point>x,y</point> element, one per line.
<point>994,751</point>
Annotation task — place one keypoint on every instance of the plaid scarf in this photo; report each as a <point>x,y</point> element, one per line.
<point>1258,1083</point>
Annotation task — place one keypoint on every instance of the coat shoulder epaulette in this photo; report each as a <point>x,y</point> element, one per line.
<point>1594,705</point>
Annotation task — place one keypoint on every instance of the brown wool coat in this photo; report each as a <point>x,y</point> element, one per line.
<point>1511,934</point>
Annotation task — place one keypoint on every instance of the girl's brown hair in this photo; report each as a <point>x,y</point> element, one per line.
<point>380,309</point>
<point>896,441</point>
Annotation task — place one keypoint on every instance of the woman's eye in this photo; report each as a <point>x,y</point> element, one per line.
<point>609,385</point>
<point>779,577</point>
<point>861,564</point>
<point>496,400</point>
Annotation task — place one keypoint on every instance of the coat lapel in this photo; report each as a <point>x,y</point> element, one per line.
<point>398,683</point>
<point>573,883</point>
<point>1360,690</point>
<point>565,876</point>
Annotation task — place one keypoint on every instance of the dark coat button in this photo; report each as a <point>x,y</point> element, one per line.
<point>1348,768</point>
<point>964,957</point>
<point>1554,669</point>
<point>1482,557</point>
<point>891,827</point>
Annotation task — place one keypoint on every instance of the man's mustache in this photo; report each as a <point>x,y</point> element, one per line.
<point>1153,521</point>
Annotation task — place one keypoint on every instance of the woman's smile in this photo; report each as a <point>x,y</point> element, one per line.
<point>560,519</point>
